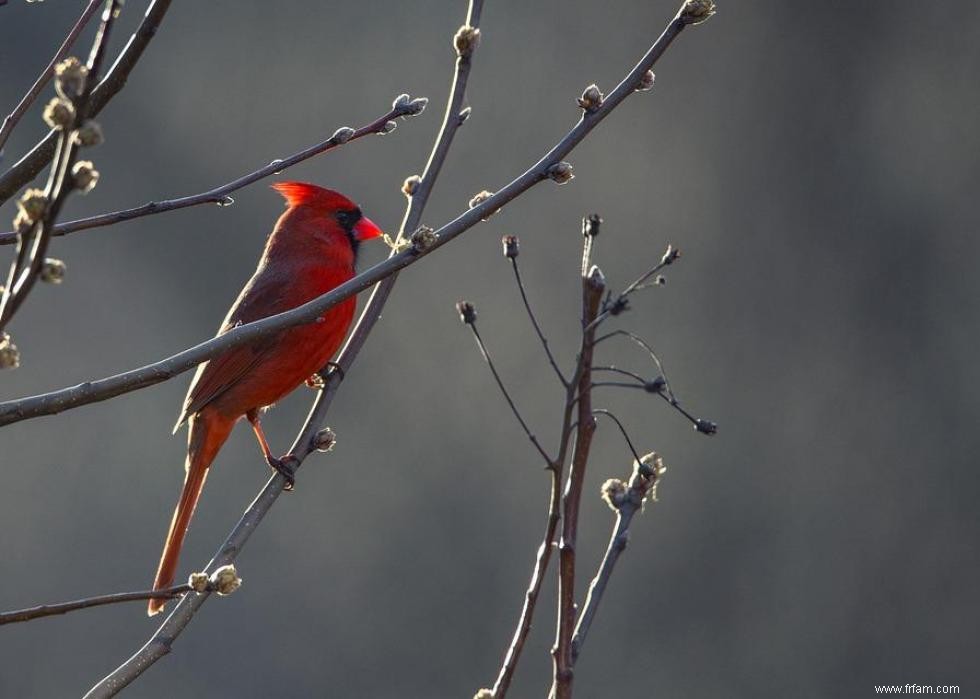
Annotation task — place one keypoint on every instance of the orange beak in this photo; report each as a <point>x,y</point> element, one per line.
<point>367,229</point>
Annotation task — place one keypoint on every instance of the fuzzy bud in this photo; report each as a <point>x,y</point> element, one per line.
<point>225,580</point>
<point>646,81</point>
<point>464,114</point>
<point>416,106</point>
<point>423,238</point>
<point>591,99</point>
<point>9,354</point>
<point>59,113</point>
<point>342,135</point>
<point>388,127</point>
<point>483,694</point>
<point>561,172</point>
<point>705,426</point>
<point>467,313</point>
<point>466,40</point>
<point>70,77</point>
<point>479,198</point>
<point>325,439</point>
<point>400,102</point>
<point>53,271</point>
<point>33,203</point>
<point>670,255</point>
<point>614,493</point>
<point>410,184</point>
<point>22,223</point>
<point>651,465</point>
<point>84,176</point>
<point>198,582</point>
<point>89,134</point>
<point>512,246</point>
<point>697,11</point>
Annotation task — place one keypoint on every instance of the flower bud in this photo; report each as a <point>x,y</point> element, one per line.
<point>225,580</point>
<point>561,172</point>
<point>342,135</point>
<point>591,99</point>
<point>53,271</point>
<point>464,114</point>
<point>59,113</point>
<point>512,246</point>
<point>466,40</point>
<point>89,134</point>
<point>697,11</point>
<point>400,102</point>
<point>646,81</point>
<point>324,440</point>
<point>591,224</point>
<point>483,694</point>
<point>467,313</point>
<point>479,198</point>
<point>70,77</point>
<point>423,238</point>
<point>614,493</point>
<point>656,385</point>
<point>388,127</point>
<point>670,255</point>
<point>410,184</point>
<point>198,582</point>
<point>33,203</point>
<point>9,354</point>
<point>84,176</point>
<point>705,426</point>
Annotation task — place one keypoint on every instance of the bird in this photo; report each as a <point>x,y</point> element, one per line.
<point>311,250</point>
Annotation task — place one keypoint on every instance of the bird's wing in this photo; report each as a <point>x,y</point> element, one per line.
<point>219,374</point>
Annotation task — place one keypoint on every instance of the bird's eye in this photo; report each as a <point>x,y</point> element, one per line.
<point>343,218</point>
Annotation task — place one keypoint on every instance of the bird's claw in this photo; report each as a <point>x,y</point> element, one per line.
<point>286,467</point>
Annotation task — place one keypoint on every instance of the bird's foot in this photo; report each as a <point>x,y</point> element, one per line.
<point>318,380</point>
<point>286,467</point>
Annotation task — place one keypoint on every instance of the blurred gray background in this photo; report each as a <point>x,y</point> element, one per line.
<point>817,165</point>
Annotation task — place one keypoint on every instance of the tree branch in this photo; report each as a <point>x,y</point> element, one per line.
<point>511,240</point>
<point>65,607</point>
<point>28,99</point>
<point>90,392</point>
<point>219,195</point>
<point>32,163</point>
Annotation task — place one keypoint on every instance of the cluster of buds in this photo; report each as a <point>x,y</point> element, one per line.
<point>697,11</point>
<point>614,493</point>
<point>9,354</point>
<point>591,99</point>
<point>30,208</point>
<point>646,475</point>
<point>198,582</point>
<point>512,246</point>
<point>70,75</point>
<point>53,271</point>
<point>410,184</point>
<point>406,106</point>
<point>423,238</point>
<point>561,172</point>
<point>466,40</point>
<point>84,176</point>
<point>467,312</point>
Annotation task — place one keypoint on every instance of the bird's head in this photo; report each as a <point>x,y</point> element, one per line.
<point>329,215</point>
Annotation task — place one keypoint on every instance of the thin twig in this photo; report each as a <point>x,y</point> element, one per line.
<point>642,483</point>
<point>615,306</point>
<point>622,429</point>
<point>28,99</point>
<point>534,322</point>
<point>65,607</point>
<point>646,346</point>
<point>91,392</point>
<point>42,153</point>
<point>510,401</point>
<point>593,287</point>
<point>219,195</point>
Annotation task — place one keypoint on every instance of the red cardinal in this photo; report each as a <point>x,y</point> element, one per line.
<point>311,250</point>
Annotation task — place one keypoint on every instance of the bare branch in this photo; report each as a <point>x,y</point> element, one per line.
<point>28,99</point>
<point>65,607</point>
<point>646,475</point>
<point>615,306</point>
<point>534,320</point>
<point>219,195</point>
<point>32,163</point>
<point>471,322</point>
<point>622,429</point>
